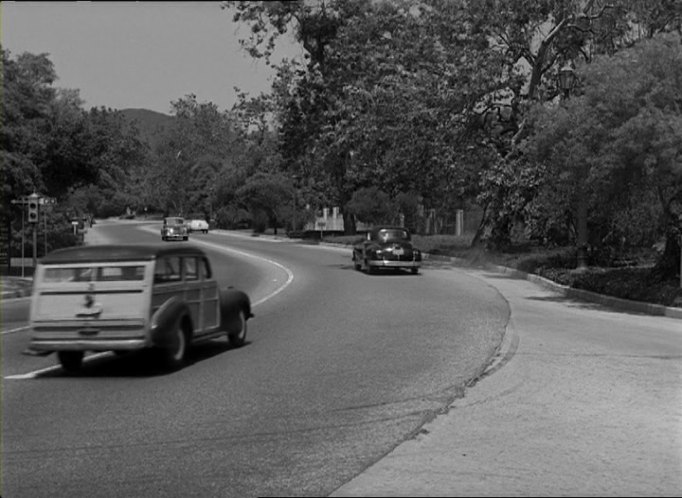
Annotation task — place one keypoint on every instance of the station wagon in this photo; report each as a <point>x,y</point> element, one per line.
<point>130,297</point>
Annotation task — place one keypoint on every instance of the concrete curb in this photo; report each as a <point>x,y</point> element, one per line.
<point>610,301</point>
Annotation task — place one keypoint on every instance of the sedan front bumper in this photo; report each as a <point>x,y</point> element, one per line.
<point>384,263</point>
<point>175,236</point>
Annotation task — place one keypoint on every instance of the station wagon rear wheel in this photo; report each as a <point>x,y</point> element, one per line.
<point>173,355</point>
<point>70,361</point>
<point>236,334</point>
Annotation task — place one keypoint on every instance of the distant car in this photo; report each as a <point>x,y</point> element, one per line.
<point>174,228</point>
<point>130,297</point>
<point>387,247</point>
<point>197,225</point>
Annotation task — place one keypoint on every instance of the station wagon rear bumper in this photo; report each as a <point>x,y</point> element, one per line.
<point>89,336</point>
<point>88,344</point>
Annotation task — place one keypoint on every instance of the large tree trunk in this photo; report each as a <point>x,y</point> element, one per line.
<point>668,264</point>
<point>476,241</point>
<point>349,227</point>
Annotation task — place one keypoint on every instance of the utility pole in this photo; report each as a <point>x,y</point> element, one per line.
<point>23,240</point>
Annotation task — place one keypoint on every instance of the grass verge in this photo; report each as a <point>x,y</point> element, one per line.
<point>636,283</point>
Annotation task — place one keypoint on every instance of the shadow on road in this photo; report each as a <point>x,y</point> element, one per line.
<point>141,363</point>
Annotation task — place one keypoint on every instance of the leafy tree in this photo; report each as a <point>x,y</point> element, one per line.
<point>268,195</point>
<point>190,159</point>
<point>115,156</point>
<point>371,205</point>
<point>620,140</point>
<point>27,101</point>
<point>539,37</point>
<point>387,96</point>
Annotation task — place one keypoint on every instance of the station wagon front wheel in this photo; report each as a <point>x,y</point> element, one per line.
<point>236,334</point>
<point>70,361</point>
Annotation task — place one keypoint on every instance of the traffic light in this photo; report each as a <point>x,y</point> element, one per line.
<point>33,210</point>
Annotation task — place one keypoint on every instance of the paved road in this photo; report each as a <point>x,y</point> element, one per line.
<point>581,401</point>
<point>338,369</point>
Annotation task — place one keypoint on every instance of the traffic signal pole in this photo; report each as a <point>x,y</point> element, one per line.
<point>33,203</point>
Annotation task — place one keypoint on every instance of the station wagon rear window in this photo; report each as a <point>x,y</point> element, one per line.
<point>109,273</point>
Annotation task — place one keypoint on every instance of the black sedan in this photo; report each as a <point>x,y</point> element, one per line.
<point>387,247</point>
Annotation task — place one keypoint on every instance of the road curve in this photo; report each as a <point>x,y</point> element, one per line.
<point>338,369</point>
<point>583,401</point>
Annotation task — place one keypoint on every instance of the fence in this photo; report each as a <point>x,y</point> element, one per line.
<point>429,222</point>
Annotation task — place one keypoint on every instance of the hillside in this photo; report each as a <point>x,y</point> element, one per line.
<point>152,125</point>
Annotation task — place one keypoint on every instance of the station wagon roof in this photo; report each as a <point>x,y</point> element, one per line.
<point>118,252</point>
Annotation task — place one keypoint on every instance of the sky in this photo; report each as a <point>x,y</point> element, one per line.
<point>140,55</point>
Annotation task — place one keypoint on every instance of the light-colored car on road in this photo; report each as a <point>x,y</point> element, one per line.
<point>130,297</point>
<point>197,225</point>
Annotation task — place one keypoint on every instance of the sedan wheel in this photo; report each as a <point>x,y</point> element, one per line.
<point>70,361</point>
<point>236,334</point>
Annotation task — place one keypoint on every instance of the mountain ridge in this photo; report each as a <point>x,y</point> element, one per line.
<point>152,125</point>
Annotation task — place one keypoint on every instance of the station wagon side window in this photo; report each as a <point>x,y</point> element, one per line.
<point>119,273</point>
<point>167,269</point>
<point>191,268</point>
<point>204,269</point>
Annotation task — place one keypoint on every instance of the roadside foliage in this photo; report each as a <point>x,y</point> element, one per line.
<point>434,106</point>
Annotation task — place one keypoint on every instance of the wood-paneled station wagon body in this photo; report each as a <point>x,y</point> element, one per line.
<point>128,297</point>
